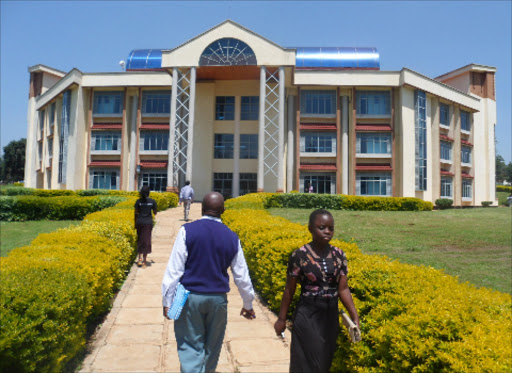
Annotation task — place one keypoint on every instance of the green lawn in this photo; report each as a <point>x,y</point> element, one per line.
<point>17,234</point>
<point>502,198</point>
<point>473,244</point>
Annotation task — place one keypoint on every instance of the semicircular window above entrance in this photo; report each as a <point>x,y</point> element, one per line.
<point>227,52</point>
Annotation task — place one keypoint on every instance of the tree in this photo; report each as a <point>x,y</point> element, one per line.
<point>13,161</point>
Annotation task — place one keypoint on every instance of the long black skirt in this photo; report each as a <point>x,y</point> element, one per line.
<point>144,238</point>
<point>315,329</point>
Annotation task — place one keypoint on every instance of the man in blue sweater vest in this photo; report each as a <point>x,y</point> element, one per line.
<point>200,258</point>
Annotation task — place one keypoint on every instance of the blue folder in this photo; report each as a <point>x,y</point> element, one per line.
<point>180,297</point>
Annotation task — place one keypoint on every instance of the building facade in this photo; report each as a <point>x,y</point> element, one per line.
<point>236,113</point>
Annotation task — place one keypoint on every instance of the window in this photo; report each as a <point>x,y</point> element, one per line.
<point>50,151</point>
<point>63,138</point>
<point>446,187</point>
<point>373,143</point>
<point>41,124</point>
<point>467,189</point>
<point>318,142</point>
<point>373,184</point>
<point>223,146</point>
<point>105,141</point>
<point>104,179</point>
<point>446,150</point>
<point>314,102</point>
<point>248,183</point>
<point>465,121</point>
<point>156,180</point>
<point>222,183</point>
<point>373,102</point>
<point>156,102</point>
<point>250,108</point>
<point>444,115</point>
<point>324,183</point>
<point>154,140</point>
<point>465,154</point>
<point>227,52</point>
<point>420,118</point>
<point>248,146</point>
<point>52,117</point>
<point>225,108</point>
<point>109,103</point>
<point>39,151</point>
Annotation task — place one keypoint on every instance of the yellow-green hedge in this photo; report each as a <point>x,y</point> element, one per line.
<point>413,319</point>
<point>51,290</point>
<point>504,188</point>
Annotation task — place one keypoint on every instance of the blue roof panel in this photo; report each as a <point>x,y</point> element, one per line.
<point>337,58</point>
<point>144,59</point>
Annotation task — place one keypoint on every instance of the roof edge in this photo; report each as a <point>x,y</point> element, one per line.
<point>43,68</point>
<point>465,69</point>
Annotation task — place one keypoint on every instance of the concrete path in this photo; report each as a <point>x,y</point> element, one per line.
<point>135,337</point>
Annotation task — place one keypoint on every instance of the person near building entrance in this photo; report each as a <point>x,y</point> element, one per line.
<point>200,258</point>
<point>144,207</point>
<point>322,271</point>
<point>186,197</point>
<point>310,188</point>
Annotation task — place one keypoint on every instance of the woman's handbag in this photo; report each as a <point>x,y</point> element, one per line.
<point>353,330</point>
<point>180,297</point>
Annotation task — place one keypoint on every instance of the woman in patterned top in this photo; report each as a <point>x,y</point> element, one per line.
<point>321,269</point>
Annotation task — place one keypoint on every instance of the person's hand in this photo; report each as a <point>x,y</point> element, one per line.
<point>166,311</point>
<point>248,314</point>
<point>279,327</point>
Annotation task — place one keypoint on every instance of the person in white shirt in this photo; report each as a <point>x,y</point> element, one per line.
<point>187,197</point>
<point>201,255</point>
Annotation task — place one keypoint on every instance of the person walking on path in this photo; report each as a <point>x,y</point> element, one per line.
<point>201,255</point>
<point>187,197</point>
<point>144,224</point>
<point>322,271</point>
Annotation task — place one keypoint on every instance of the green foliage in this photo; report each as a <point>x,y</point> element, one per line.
<point>346,202</point>
<point>486,203</point>
<point>13,161</point>
<point>23,208</point>
<point>444,203</point>
<point>413,319</point>
<point>43,315</point>
<point>51,290</point>
<point>504,188</point>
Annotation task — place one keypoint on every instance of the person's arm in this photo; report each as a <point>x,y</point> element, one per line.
<point>289,291</point>
<point>346,298</point>
<point>136,214</point>
<point>174,271</point>
<point>243,283</point>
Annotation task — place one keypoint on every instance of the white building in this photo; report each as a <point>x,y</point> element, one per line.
<point>234,112</point>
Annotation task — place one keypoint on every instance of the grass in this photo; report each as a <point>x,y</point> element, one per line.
<point>473,244</point>
<point>502,198</point>
<point>17,234</point>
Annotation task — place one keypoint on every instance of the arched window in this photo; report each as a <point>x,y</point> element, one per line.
<point>227,52</point>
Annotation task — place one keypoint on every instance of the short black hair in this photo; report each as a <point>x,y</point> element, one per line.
<point>187,182</point>
<point>144,192</point>
<point>316,213</point>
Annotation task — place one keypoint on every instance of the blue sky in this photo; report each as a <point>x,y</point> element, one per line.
<point>431,38</point>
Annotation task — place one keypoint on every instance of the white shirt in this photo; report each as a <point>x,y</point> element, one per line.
<point>176,268</point>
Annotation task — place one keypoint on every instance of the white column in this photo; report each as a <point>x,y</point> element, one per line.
<point>133,144</point>
<point>236,149</point>
<point>261,132</point>
<point>172,127</point>
<point>190,134</point>
<point>291,144</point>
<point>344,145</point>
<point>280,145</point>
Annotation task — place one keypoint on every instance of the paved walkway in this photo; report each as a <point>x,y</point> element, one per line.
<point>135,337</point>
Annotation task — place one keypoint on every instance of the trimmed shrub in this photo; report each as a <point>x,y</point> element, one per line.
<point>53,289</point>
<point>504,188</point>
<point>444,203</point>
<point>413,318</point>
<point>486,203</point>
<point>43,315</point>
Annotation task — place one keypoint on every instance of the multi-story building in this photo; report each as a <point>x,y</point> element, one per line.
<point>234,112</point>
